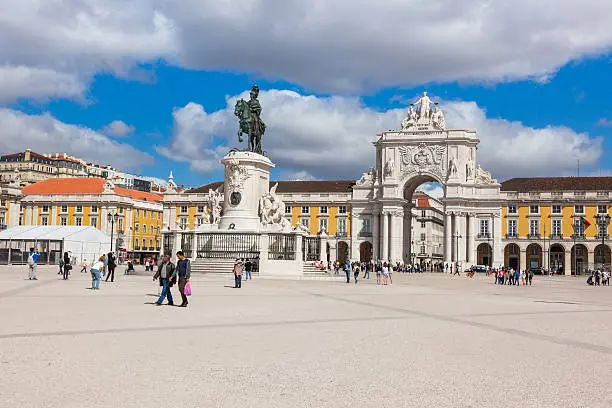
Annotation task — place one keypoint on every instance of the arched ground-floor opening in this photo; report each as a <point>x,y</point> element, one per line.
<point>365,251</point>
<point>512,256</point>
<point>602,257</point>
<point>423,234</point>
<point>556,261</point>
<point>343,251</point>
<point>534,257</point>
<point>484,255</point>
<point>579,259</point>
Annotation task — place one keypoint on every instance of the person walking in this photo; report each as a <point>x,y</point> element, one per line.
<point>248,267</point>
<point>347,270</point>
<point>385,272</point>
<point>95,271</point>
<point>84,266</point>
<point>530,276</point>
<point>32,259</point>
<point>165,273</point>
<point>183,270</point>
<point>67,265</point>
<point>238,268</point>
<point>356,272</point>
<point>112,264</point>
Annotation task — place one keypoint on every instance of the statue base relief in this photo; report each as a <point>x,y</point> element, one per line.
<point>247,178</point>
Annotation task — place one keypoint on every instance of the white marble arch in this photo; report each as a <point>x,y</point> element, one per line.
<point>423,151</point>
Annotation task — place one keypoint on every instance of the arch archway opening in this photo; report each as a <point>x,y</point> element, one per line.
<point>365,251</point>
<point>343,251</point>
<point>602,257</point>
<point>484,254</point>
<point>512,256</point>
<point>556,261</point>
<point>579,264</point>
<point>534,258</point>
<point>423,224</point>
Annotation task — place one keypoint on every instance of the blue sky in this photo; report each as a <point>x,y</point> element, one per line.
<point>539,106</point>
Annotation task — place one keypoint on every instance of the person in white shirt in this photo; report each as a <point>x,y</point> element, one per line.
<point>96,270</point>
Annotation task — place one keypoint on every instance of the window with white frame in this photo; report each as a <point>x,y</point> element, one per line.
<point>183,222</point>
<point>534,209</point>
<point>94,208</point>
<point>602,209</point>
<point>137,228</point>
<point>366,226</point>
<point>512,228</point>
<point>144,228</point>
<point>201,209</point>
<point>120,225</point>
<point>512,209</point>
<point>200,221</point>
<point>602,230</point>
<point>144,243</point>
<point>422,249</point>
<point>287,209</point>
<point>323,224</point>
<point>305,222</point>
<point>138,212</point>
<point>323,209</point>
<point>423,224</point>
<point>45,208</point>
<point>556,227</point>
<point>305,209</point>
<point>578,227</point>
<point>556,209</point>
<point>63,221</point>
<point>484,227</point>
<point>341,226</point>
<point>121,209</point>
<point>44,220</point>
<point>183,209</point>
<point>342,209</point>
<point>152,215</point>
<point>534,227</point>
<point>579,209</point>
<point>64,208</point>
<point>93,221</point>
<point>78,221</point>
<point>423,236</point>
<point>79,209</point>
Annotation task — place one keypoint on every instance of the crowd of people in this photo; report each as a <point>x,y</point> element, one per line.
<point>599,278</point>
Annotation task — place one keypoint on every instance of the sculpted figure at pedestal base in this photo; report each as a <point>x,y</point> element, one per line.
<point>272,210</point>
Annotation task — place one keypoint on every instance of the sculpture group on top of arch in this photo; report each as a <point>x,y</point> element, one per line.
<point>425,116</point>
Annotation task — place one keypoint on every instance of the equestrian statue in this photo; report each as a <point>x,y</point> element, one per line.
<point>250,123</point>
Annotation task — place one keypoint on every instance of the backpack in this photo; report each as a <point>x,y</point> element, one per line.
<point>31,260</point>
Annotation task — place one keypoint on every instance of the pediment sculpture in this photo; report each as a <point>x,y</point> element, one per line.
<point>427,115</point>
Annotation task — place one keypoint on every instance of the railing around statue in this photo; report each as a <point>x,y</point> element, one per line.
<point>168,244</point>
<point>228,246</point>
<point>311,248</point>
<point>186,243</point>
<point>281,247</point>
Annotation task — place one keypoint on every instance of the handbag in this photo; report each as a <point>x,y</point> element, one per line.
<point>188,289</point>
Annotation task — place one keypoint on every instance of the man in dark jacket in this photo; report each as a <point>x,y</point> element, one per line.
<point>183,271</point>
<point>166,274</point>
<point>112,264</point>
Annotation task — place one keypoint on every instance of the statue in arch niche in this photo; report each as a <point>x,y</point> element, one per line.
<point>452,167</point>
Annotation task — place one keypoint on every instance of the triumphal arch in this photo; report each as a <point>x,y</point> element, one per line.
<point>425,150</point>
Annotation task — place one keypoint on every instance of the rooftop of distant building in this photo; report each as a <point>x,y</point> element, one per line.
<point>65,186</point>
<point>542,184</point>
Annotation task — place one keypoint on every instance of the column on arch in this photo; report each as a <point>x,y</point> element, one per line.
<point>407,234</point>
<point>375,234</point>
<point>523,257</point>
<point>471,240</point>
<point>448,237</point>
<point>462,230</point>
<point>385,237</point>
<point>567,263</point>
<point>397,236</point>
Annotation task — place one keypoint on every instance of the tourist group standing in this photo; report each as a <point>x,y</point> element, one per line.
<point>512,277</point>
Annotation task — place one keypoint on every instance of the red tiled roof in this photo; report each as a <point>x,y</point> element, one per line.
<point>315,186</point>
<point>524,185</point>
<point>92,185</point>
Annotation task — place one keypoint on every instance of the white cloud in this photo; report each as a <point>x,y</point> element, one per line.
<point>345,45</point>
<point>331,137</point>
<point>331,46</point>
<point>61,44</point>
<point>118,128</point>
<point>45,134</point>
<point>605,122</point>
<point>434,190</point>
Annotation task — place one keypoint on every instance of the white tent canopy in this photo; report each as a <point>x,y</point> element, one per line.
<point>83,242</point>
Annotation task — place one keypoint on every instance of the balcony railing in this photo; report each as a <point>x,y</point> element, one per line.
<point>158,248</point>
<point>512,236</point>
<point>555,236</point>
<point>578,236</point>
<point>485,235</point>
<point>136,247</point>
<point>533,236</point>
<point>603,236</point>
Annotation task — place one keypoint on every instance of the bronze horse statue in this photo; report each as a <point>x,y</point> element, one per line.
<point>250,124</point>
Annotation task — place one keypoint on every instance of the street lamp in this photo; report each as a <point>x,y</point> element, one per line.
<point>603,220</point>
<point>112,218</point>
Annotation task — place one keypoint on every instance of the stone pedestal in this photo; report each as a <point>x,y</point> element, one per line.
<point>247,177</point>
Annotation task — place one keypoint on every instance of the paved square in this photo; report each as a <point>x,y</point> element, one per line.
<point>426,341</point>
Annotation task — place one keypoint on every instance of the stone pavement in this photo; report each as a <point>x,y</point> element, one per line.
<point>427,341</point>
